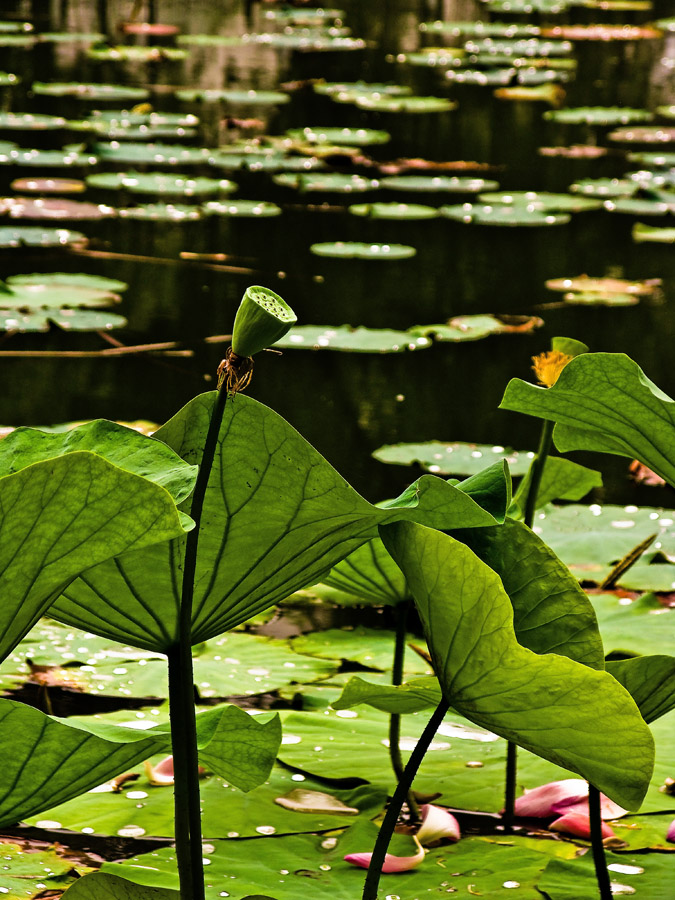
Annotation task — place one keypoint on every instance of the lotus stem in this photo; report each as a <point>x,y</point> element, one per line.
<point>401,612</point>
<point>601,873</point>
<point>394,809</point>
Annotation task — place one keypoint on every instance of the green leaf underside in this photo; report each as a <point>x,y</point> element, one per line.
<point>61,516</point>
<point>562,479</point>
<point>107,886</point>
<point>551,612</point>
<point>411,697</point>
<point>604,402</point>
<point>650,680</point>
<point>576,717</point>
<point>278,517</point>
<point>48,761</point>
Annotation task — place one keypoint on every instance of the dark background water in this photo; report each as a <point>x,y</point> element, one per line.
<point>349,404</point>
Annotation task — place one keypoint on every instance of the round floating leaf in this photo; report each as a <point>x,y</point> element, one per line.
<point>454,458</point>
<point>598,115</point>
<point>473,328</point>
<point>161,212</point>
<point>105,886</point>
<point>265,162</point>
<point>541,200</point>
<point>527,6</point>
<point>406,104</point>
<point>74,279</point>
<point>10,27</point>
<point>653,159</point>
<point>648,234</point>
<point>503,214</point>
<point>602,32</point>
<point>649,134</point>
<point>136,53</point>
<point>396,211</point>
<point>486,77</point>
<point>351,137</point>
<point>55,209</point>
<point>451,184</point>
<point>48,185</point>
<point>252,209</point>
<point>355,340</point>
<point>358,250</point>
<point>582,284</point>
<point>316,16</point>
<point>651,180</point>
<point>70,37</point>
<point>518,47</point>
<point>317,41</point>
<point>43,294</point>
<point>359,88</point>
<point>49,159</point>
<point>164,154</point>
<point>6,149</point>
<point>210,40</point>
<point>667,24</point>
<point>7,79</point>
<point>20,235</point>
<point>605,187</point>
<point>125,117</point>
<point>239,98</point>
<point>161,184</point>
<point>640,206</point>
<point>331,182</point>
<point>481,29</point>
<point>93,92</point>
<point>434,56</point>
<point>67,319</point>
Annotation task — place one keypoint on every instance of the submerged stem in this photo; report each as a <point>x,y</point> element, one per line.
<point>393,811</point>
<point>181,691</point>
<point>601,873</point>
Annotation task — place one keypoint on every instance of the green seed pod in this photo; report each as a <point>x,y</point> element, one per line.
<point>262,319</point>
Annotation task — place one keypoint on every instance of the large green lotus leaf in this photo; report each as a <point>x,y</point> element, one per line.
<point>650,680</point>
<point>604,402</point>
<point>551,612</point>
<point>642,627</point>
<point>63,515</point>
<point>645,877</point>
<point>370,574</point>
<point>567,713</point>
<point>453,458</point>
<point>287,868</point>
<point>410,697</point>
<point>562,479</point>
<point>279,517</point>
<point>106,886</point>
<point>368,646</point>
<point>646,832</point>
<point>227,811</point>
<point>38,872</point>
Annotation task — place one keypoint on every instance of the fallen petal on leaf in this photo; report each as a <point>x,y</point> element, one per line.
<point>162,773</point>
<point>551,798</point>
<point>579,825</point>
<point>437,823</point>
<point>391,863</point>
<point>671,833</point>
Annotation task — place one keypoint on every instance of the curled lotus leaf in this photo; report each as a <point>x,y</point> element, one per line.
<point>160,154</point>
<point>598,115</point>
<point>244,209</point>
<point>72,279</point>
<point>360,250</point>
<point>518,47</point>
<point>353,340</point>
<point>333,88</point>
<point>55,209</point>
<point>351,137</point>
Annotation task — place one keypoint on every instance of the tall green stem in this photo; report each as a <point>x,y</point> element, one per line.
<point>401,612</point>
<point>394,809</point>
<point>536,472</point>
<point>601,873</point>
<point>181,691</point>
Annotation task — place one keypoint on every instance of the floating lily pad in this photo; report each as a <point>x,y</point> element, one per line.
<point>368,646</point>
<point>602,32</point>
<point>7,79</point>
<point>542,200</point>
<point>70,37</point>
<point>161,212</point>
<point>473,328</point>
<point>9,27</point>
<point>598,115</point>
<point>254,209</point>
<point>355,340</point>
<point>48,185</point>
<point>406,104</point>
<point>55,209</point>
<point>29,871</point>
<point>531,46</point>
<point>318,42</point>
<point>32,307</point>
<point>582,284</point>
<point>652,158</point>
<point>162,154</point>
<point>17,40</point>
<point>150,29</point>
<point>72,279</point>
<point>358,250</point>
<point>450,184</point>
<point>160,184</point>
<point>12,121</point>
<point>351,137</point>
<point>135,53</point>
<point>307,16</point>
<point>402,211</point>
<point>527,6</point>
<point>26,236</point>
<point>126,117</point>
<point>455,458</point>
<point>646,178</point>
<point>6,149</point>
<point>604,187</point>
<point>433,57</point>
<point>539,93</point>
<point>331,182</point>
<point>487,77</point>
<point>480,29</point>
<point>49,159</point>
<point>265,162</point>
<point>254,98</point>
<point>503,214</point>
<point>575,151</point>
<point>667,24</point>
<point>649,134</point>
<point>640,206</point>
<point>91,92</point>
<point>360,88</point>
<point>210,40</point>
<point>648,234</point>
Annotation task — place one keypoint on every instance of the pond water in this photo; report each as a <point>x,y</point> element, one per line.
<point>186,274</point>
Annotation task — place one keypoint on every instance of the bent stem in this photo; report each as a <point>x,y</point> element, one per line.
<point>393,811</point>
<point>601,873</point>
<point>536,473</point>
<point>188,829</point>
<point>401,612</point>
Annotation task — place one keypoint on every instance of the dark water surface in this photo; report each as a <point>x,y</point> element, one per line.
<point>349,404</point>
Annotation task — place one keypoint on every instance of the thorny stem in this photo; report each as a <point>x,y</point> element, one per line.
<point>601,873</point>
<point>536,472</point>
<point>393,811</point>
<point>182,707</point>
<point>401,613</point>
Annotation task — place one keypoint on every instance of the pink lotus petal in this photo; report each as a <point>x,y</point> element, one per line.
<point>391,863</point>
<point>579,825</point>
<point>671,833</point>
<point>437,823</point>
<point>608,808</point>
<point>162,773</point>
<point>550,798</point>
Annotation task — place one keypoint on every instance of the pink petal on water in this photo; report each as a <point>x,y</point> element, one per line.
<point>437,823</point>
<point>579,825</point>
<point>391,863</point>
<point>608,808</point>
<point>551,798</point>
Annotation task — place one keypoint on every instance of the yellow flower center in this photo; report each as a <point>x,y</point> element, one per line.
<point>548,366</point>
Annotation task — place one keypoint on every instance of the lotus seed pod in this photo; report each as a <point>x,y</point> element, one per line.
<point>262,319</point>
